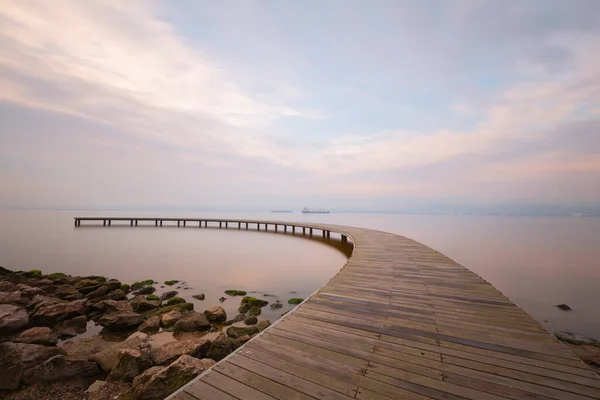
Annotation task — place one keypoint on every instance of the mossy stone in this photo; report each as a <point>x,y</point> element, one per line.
<point>254,302</point>
<point>152,297</point>
<point>295,300</point>
<point>234,292</point>
<point>171,282</point>
<point>175,300</point>
<point>33,273</point>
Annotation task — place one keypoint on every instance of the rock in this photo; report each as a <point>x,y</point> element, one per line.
<point>101,291</point>
<point>38,335</point>
<point>121,320</point>
<point>159,382</point>
<point>243,339</point>
<point>5,272</point>
<point>41,282</point>
<point>130,363</point>
<point>221,347</point>
<point>172,350</point>
<point>251,320</point>
<point>254,302</point>
<point>199,296</point>
<point>254,311</point>
<point>145,290</point>
<point>67,292</point>
<point>6,286</point>
<point>165,309</point>
<point>244,308</point>
<point>72,327</point>
<point>114,306</point>
<point>94,387</point>
<point>140,303</point>
<point>191,321</point>
<point>151,325</point>
<point>168,295</point>
<point>564,307</point>
<point>276,306</point>
<point>238,331</point>
<point>60,367</point>
<point>51,314</point>
<point>222,299</point>
<point>42,301</point>
<point>113,284</point>
<point>114,295</point>
<point>263,324</point>
<point>170,318</point>
<point>12,318</point>
<point>18,357</point>
<point>86,286</point>
<point>216,314</point>
<point>175,300</point>
<point>108,357</point>
<point>29,291</point>
<point>237,318</point>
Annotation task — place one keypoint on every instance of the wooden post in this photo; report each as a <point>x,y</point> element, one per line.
<point>266,226</point>
<point>199,224</point>
<point>258,226</point>
<point>178,222</point>
<point>104,223</point>
<point>310,230</point>
<point>220,224</point>
<point>285,229</point>
<point>246,226</point>
<point>294,229</point>
<point>109,222</point>
<point>136,222</point>
<point>323,232</point>
<point>184,223</point>
<point>239,225</point>
<point>206,224</point>
<point>276,227</point>
<point>161,222</point>
<point>304,230</point>
<point>328,234</point>
<point>226,224</point>
<point>155,222</point>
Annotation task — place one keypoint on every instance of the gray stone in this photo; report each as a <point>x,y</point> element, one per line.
<point>121,320</point>
<point>6,286</point>
<point>159,382</point>
<point>151,325</point>
<point>67,292</point>
<point>60,367</point>
<point>113,284</point>
<point>170,351</point>
<point>38,335</point>
<point>42,301</point>
<point>145,290</point>
<point>238,331</point>
<point>199,296</point>
<point>221,347</point>
<point>191,321</point>
<point>169,319</point>
<point>18,357</point>
<point>130,363</point>
<point>251,320</point>
<point>108,357</point>
<point>12,318</point>
<point>117,305</point>
<point>51,314</point>
<point>254,311</point>
<point>263,324</point>
<point>101,291</point>
<point>237,318</point>
<point>168,295</point>
<point>13,298</point>
<point>140,303</point>
<point>72,327</point>
<point>29,291</point>
<point>216,314</point>
<point>86,286</point>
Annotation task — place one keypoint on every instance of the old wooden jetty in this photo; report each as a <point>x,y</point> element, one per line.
<point>399,321</point>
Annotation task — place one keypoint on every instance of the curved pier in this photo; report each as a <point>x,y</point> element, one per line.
<point>398,321</point>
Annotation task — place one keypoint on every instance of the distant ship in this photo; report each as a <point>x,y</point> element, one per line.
<point>281,211</point>
<point>311,210</point>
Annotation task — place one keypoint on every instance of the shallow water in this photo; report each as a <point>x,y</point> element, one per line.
<point>537,262</point>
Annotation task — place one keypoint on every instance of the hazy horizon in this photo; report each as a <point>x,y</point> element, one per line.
<point>414,106</point>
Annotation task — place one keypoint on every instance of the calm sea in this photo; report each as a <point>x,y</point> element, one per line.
<point>536,262</point>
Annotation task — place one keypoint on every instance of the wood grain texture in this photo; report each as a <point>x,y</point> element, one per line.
<point>399,321</point>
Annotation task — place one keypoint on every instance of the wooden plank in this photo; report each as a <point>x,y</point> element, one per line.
<point>204,391</point>
<point>234,388</point>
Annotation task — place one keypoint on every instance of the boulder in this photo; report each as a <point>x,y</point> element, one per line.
<point>101,291</point>
<point>113,284</point>
<point>151,325</point>
<point>86,286</point>
<point>170,318</point>
<point>121,320</point>
<point>114,306</point>
<point>243,309</point>
<point>175,300</point>
<point>238,331</point>
<point>108,357</point>
<point>41,282</point>
<point>254,311</point>
<point>263,324</point>
<point>216,314</point>
<point>221,347</point>
<point>145,290</point>
<point>13,298</point>
<point>72,327</point>
<point>191,321</point>
<point>243,339</point>
<point>254,302</point>
<point>42,301</point>
<point>114,295</point>
<point>38,335</point>
<point>251,320</point>
<point>18,357</point>
<point>199,296</point>
<point>168,295</point>
<point>157,383</point>
<point>29,291</point>
<point>60,367</point>
<point>140,303</point>
<point>170,351</point>
<point>51,314</point>
<point>67,292</point>
<point>276,306</point>
<point>237,318</point>
<point>12,318</point>
<point>130,363</point>
<point>6,286</point>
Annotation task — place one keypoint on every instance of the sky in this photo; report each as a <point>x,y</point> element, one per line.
<point>282,104</point>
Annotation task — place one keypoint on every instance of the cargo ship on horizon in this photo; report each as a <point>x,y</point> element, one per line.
<point>312,210</point>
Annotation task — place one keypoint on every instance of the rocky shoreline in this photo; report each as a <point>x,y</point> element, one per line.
<point>148,347</point>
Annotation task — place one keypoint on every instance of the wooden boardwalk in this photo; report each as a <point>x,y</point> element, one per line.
<point>399,321</point>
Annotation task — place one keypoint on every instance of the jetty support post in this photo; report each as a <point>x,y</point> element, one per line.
<point>104,222</point>
<point>136,222</point>
<point>220,224</point>
<point>161,222</point>
<point>285,228</point>
<point>303,230</point>
<point>184,223</point>
<point>178,222</point>
<point>239,225</point>
<point>276,226</point>
<point>328,234</point>
<point>109,222</point>
<point>226,224</point>
<point>310,231</point>
<point>246,226</point>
